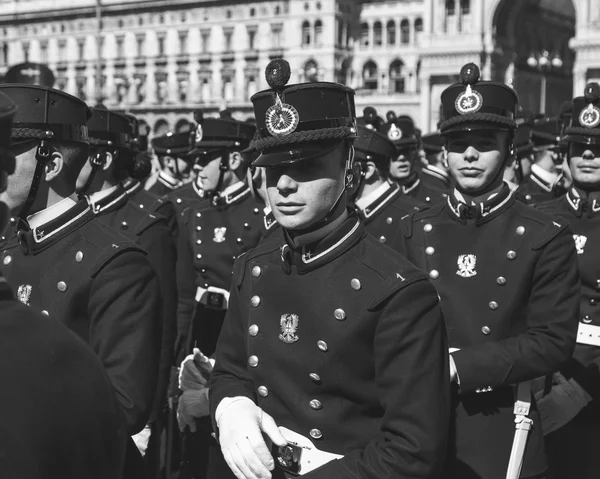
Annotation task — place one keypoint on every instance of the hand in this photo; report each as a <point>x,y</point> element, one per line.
<point>453,370</point>
<point>195,371</point>
<point>192,404</point>
<point>564,401</point>
<point>241,426</point>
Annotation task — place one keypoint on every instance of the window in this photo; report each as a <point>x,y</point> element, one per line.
<point>306,33</point>
<point>81,90</point>
<point>465,7</point>
<point>26,51</point>
<point>205,40</point>
<point>277,10</point>
<point>404,32</point>
<point>62,50</point>
<point>276,35</point>
<point>228,13</point>
<point>339,31</point>
<point>183,43</point>
<point>139,41</point>
<point>391,32</point>
<point>370,76</point>
<point>252,12</point>
<point>251,38</point>
<point>81,49</point>
<point>4,54</point>
<point>228,35</point>
<point>364,34</point>
<point>418,25</point>
<point>396,79</point>
<point>161,127</point>
<point>161,44</point>
<point>318,33</point>
<point>43,52</point>
<point>251,87</point>
<point>311,71</point>
<point>205,90</point>
<point>377,34</point>
<point>450,8</point>
<point>228,88</point>
<point>120,40</point>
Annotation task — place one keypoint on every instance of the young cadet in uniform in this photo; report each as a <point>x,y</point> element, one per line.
<point>379,202</point>
<point>401,131</point>
<point>324,337</point>
<point>69,265</point>
<point>176,166</point>
<point>100,180</point>
<point>571,411</point>
<point>514,169</point>
<point>55,380</point>
<point>507,278</point>
<point>433,172</point>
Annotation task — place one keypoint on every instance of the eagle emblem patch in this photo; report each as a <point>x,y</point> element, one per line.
<point>466,265</point>
<point>24,293</point>
<point>580,242</point>
<point>219,234</point>
<point>289,327</point>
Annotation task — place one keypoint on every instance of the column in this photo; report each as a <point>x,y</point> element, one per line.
<point>426,103</point>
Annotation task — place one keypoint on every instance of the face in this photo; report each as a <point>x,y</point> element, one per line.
<point>19,181</point>
<point>86,171</point>
<point>177,167</point>
<point>475,158</point>
<point>208,173</point>
<point>585,165</point>
<point>303,193</point>
<point>402,166</point>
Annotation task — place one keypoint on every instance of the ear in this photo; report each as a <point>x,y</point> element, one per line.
<point>370,170</point>
<point>108,160</point>
<point>445,157</point>
<point>235,161</point>
<point>54,166</point>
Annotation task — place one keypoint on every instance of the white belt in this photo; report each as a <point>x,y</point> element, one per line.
<point>310,458</point>
<point>213,296</point>
<point>588,334</point>
<point>522,427</point>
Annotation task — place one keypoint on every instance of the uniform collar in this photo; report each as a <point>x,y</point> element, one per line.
<point>312,250</point>
<point>411,184</point>
<point>580,201</point>
<point>232,194</point>
<point>168,180</point>
<point>483,210</point>
<point>108,200</point>
<point>372,204</point>
<point>132,186</point>
<point>44,216</point>
<point>269,223</point>
<point>199,191</point>
<point>433,170</point>
<point>544,179</point>
<point>58,225</point>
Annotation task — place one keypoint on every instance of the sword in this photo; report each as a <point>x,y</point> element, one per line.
<point>522,428</point>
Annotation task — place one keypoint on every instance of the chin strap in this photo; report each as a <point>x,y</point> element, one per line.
<point>42,156</point>
<point>97,161</point>
<point>223,167</point>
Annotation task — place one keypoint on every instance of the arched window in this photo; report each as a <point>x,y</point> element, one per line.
<point>311,71</point>
<point>404,32</point>
<point>418,29</point>
<point>450,8</point>
<point>465,7</point>
<point>228,88</point>
<point>377,34</point>
<point>370,79</point>
<point>396,78</point>
<point>306,33</point>
<point>318,33</point>
<point>364,34</point>
<point>391,32</point>
<point>182,126</point>
<point>205,93</point>
<point>161,127</point>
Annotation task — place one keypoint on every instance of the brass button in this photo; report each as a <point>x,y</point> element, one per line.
<point>428,199</point>
<point>382,239</point>
<point>79,256</point>
<point>389,220</point>
<point>45,313</point>
<point>598,283</point>
<point>253,361</point>
<point>198,256</point>
<point>339,314</point>
<point>198,215</point>
<point>501,280</point>
<point>493,305</point>
<point>203,270</point>
<point>316,434</point>
<point>256,271</point>
<point>520,230</point>
<point>486,330</point>
<point>198,228</point>
<point>528,197</point>
<point>355,283</point>
<point>587,320</point>
<point>322,345</point>
<point>434,274</point>
<point>239,240</point>
<point>315,377</point>
<point>429,250</point>
<point>255,301</point>
<point>141,206</point>
<point>7,260</point>
<point>427,228</point>
<point>263,392</point>
<point>178,201</point>
<point>253,330</point>
<point>124,225</point>
<point>198,241</point>
<point>316,404</point>
<point>593,302</point>
<point>256,211</point>
<point>511,255</point>
<point>246,226</point>
<point>62,286</point>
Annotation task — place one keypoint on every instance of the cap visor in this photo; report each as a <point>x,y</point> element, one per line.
<point>289,154</point>
<point>585,140</point>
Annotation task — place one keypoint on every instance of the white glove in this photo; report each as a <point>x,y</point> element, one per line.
<point>241,426</point>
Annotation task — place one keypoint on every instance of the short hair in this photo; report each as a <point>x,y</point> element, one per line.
<point>74,157</point>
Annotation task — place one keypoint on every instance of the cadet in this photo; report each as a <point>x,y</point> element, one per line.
<point>323,336</point>
<point>176,166</point>
<point>522,160</point>
<point>401,131</point>
<point>433,172</point>
<point>508,282</point>
<point>380,203</point>
<point>100,179</point>
<point>571,412</point>
<point>67,264</point>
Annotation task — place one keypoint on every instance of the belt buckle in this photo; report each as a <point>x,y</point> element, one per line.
<point>287,458</point>
<point>215,300</point>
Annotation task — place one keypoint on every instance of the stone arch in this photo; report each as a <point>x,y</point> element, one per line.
<point>161,127</point>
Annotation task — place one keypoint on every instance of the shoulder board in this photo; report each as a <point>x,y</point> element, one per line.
<point>548,226</point>
<point>149,220</point>
<point>239,268</point>
<point>108,254</point>
<point>426,211</point>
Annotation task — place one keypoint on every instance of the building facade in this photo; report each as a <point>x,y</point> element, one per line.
<point>161,59</point>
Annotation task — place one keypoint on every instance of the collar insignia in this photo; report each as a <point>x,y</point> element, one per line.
<point>469,101</point>
<point>24,293</point>
<point>466,265</point>
<point>590,116</point>
<point>580,242</point>
<point>219,235</point>
<point>289,326</point>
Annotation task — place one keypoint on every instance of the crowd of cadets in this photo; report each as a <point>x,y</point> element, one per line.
<point>401,305</point>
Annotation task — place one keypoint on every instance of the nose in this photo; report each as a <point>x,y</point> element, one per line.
<point>471,154</point>
<point>588,155</point>
<point>286,184</point>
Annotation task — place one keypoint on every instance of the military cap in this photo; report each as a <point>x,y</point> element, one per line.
<point>400,130</point>
<point>475,105</point>
<point>372,145</point>
<point>301,121</point>
<point>218,134</point>
<point>108,128</point>
<point>46,113</point>
<point>7,111</point>
<point>433,142</point>
<point>523,132</point>
<point>173,144</point>
<point>585,120</point>
<point>545,133</point>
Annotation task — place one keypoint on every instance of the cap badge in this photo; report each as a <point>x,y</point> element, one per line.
<point>394,133</point>
<point>469,101</point>
<point>590,116</point>
<point>289,326</point>
<point>199,134</point>
<point>281,119</point>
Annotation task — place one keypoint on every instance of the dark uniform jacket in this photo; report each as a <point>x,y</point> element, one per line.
<point>151,232</point>
<point>214,235</point>
<point>417,189</point>
<point>164,185</point>
<point>435,178</point>
<point>331,340</point>
<point>508,281</point>
<point>382,214</point>
<point>183,198</point>
<point>582,212</point>
<point>534,189</point>
<point>100,285</point>
<point>149,203</point>
<point>60,416</point>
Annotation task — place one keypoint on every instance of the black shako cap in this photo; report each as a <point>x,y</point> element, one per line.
<point>223,133</point>
<point>370,145</point>
<point>400,130</point>
<point>585,119</point>
<point>7,111</point>
<point>108,128</point>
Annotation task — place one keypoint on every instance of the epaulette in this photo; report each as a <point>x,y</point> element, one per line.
<point>149,220</point>
<point>239,269</point>
<point>108,254</point>
<point>549,226</point>
<point>407,222</point>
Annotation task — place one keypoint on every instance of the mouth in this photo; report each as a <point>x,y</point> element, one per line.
<point>588,167</point>
<point>469,171</point>
<point>289,207</point>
